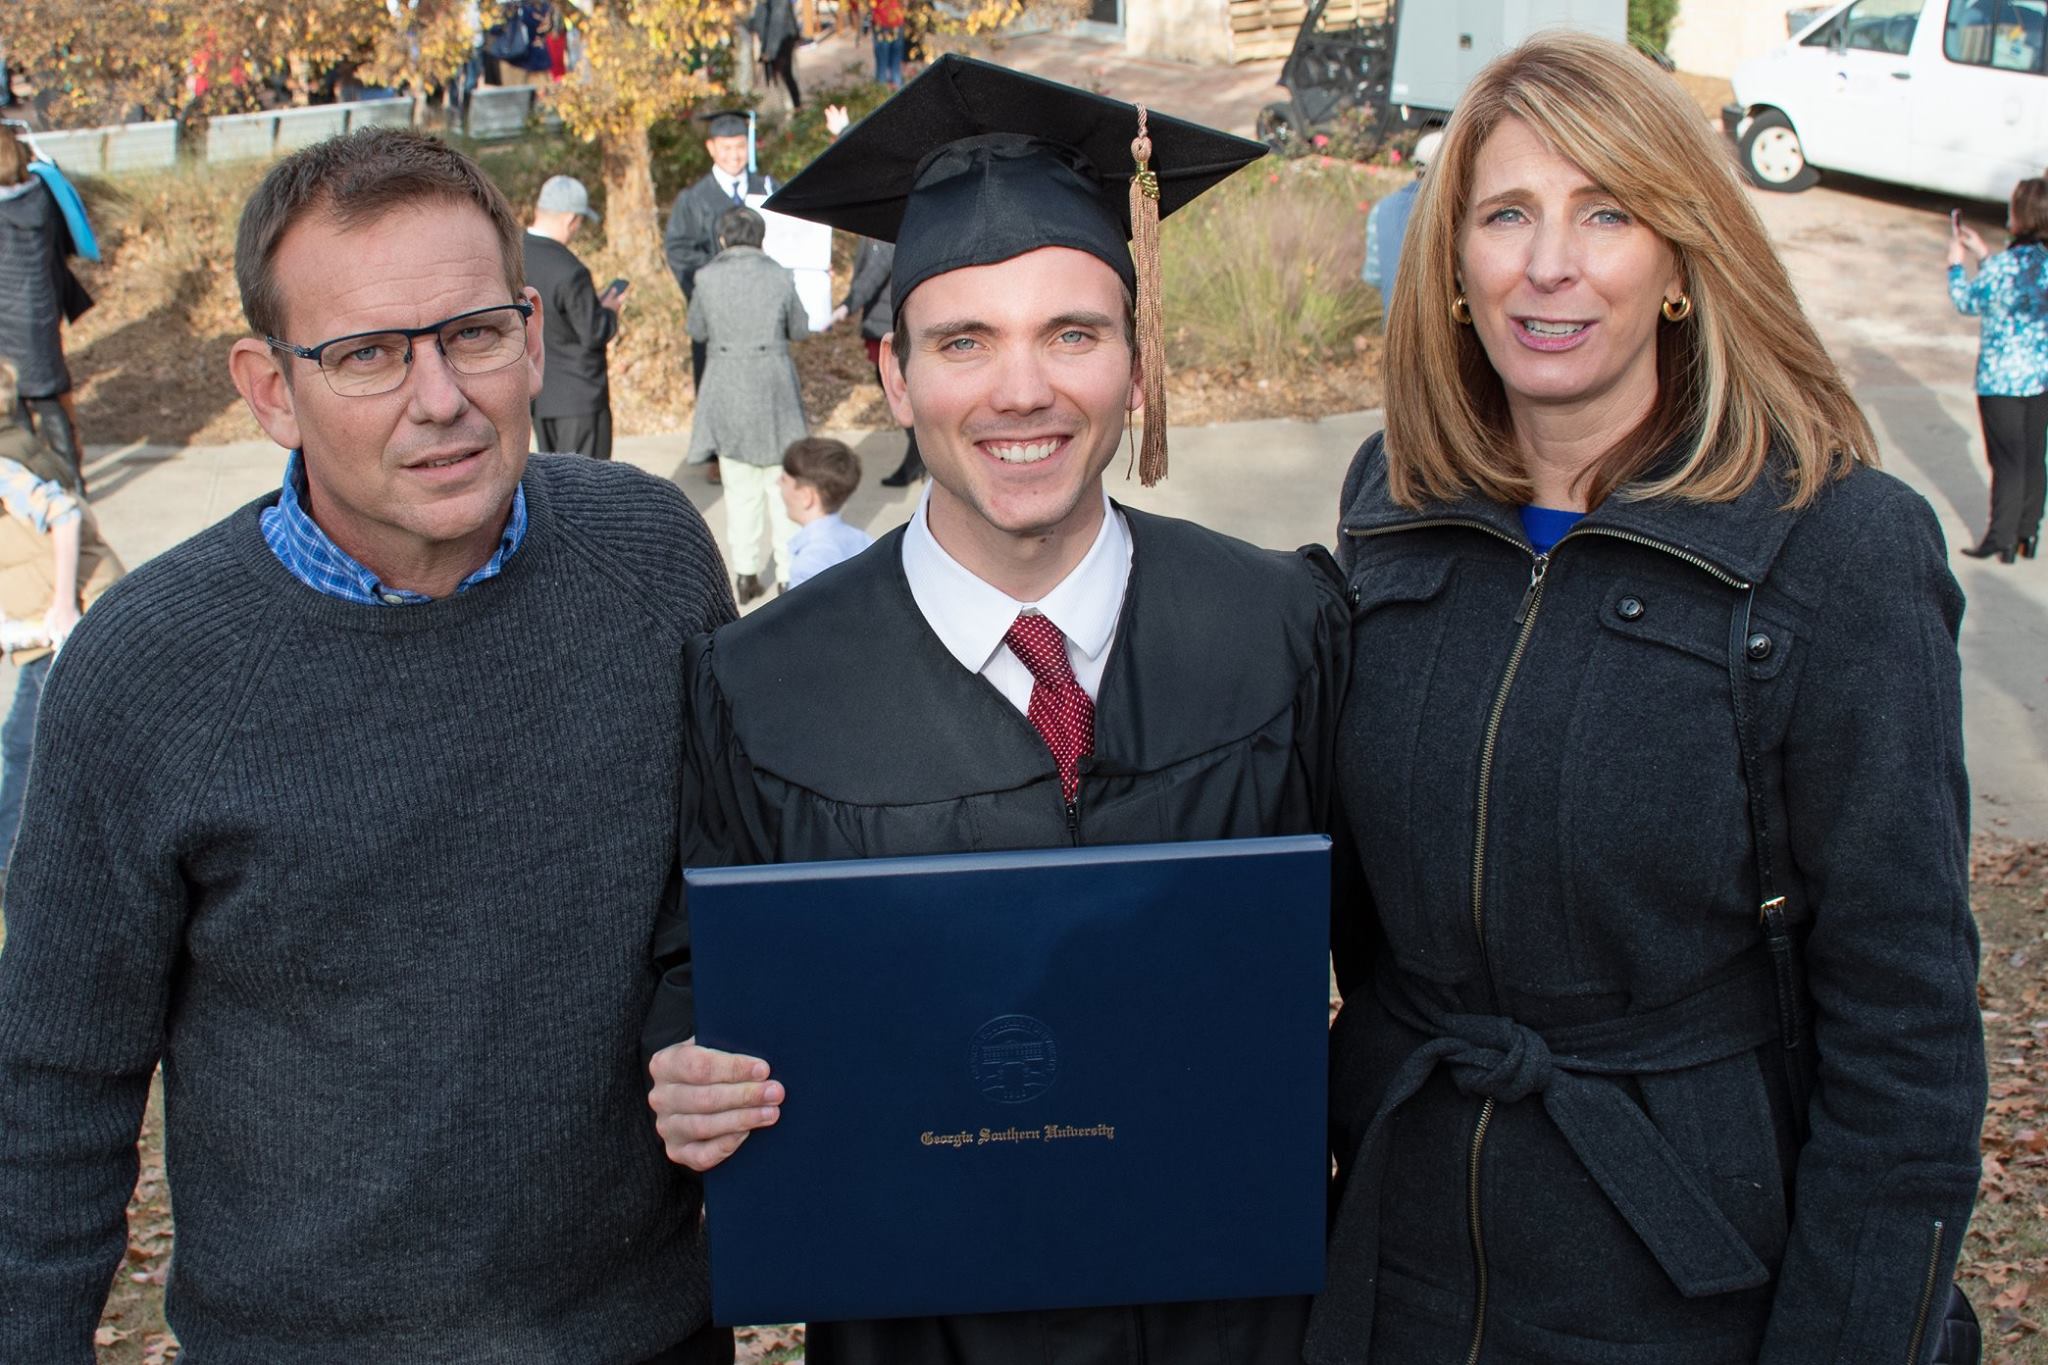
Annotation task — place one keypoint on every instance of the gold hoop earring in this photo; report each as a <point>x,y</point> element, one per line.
<point>1461,311</point>
<point>1678,309</point>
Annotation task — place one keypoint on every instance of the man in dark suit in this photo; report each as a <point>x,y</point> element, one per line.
<point>692,236</point>
<point>574,408</point>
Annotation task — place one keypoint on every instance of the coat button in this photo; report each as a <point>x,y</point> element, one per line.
<point>1758,647</point>
<point>1352,597</point>
<point>1629,608</point>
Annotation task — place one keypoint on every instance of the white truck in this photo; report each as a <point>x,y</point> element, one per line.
<point>1944,95</point>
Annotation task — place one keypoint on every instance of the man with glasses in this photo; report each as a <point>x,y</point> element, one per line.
<point>368,802</point>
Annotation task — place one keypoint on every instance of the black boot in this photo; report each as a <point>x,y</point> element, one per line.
<point>746,588</point>
<point>909,472</point>
<point>2031,544</point>
<point>1986,548</point>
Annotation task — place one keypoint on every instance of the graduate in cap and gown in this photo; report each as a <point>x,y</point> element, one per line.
<point>691,239</point>
<point>1069,670</point>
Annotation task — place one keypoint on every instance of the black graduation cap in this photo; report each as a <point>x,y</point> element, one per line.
<point>725,122</point>
<point>973,163</point>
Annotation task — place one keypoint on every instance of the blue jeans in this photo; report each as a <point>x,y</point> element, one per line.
<point>889,57</point>
<point>17,739</point>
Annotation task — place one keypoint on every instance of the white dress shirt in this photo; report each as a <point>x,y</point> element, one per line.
<point>970,617</point>
<point>731,184</point>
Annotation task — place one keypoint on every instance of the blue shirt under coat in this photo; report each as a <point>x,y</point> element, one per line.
<point>315,560</point>
<point>2010,295</point>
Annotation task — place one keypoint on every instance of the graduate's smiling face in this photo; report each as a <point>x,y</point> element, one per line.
<point>1019,379</point>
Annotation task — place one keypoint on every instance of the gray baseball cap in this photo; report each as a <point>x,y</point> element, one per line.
<point>565,194</point>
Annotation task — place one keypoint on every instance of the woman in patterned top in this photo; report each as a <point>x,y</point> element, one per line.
<point>2010,293</point>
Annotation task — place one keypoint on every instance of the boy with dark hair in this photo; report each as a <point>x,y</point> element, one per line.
<point>818,475</point>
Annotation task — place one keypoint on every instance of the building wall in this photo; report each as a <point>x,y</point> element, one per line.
<point>1713,37</point>
<point>1178,30</point>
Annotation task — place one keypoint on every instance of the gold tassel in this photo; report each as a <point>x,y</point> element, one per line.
<point>1151,317</point>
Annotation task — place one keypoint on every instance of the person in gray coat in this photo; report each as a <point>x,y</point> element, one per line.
<point>1660,1038</point>
<point>749,408</point>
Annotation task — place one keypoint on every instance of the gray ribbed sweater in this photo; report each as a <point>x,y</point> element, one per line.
<point>377,884</point>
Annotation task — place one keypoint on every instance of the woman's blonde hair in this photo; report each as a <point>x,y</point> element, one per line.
<point>1743,375</point>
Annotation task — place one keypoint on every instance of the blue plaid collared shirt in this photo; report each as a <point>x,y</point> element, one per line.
<point>302,547</point>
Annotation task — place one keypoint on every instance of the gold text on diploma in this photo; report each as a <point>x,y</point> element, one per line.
<point>982,1137</point>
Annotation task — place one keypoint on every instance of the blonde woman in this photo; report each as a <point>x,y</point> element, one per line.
<point>1660,1038</point>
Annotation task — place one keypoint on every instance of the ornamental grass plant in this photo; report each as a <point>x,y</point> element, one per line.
<point>1263,271</point>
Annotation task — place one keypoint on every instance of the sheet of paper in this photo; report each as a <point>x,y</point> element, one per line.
<point>805,248</point>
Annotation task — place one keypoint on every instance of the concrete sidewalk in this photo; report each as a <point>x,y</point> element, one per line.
<point>1275,483</point>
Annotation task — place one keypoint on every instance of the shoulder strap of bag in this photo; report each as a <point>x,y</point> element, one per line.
<point>1786,969</point>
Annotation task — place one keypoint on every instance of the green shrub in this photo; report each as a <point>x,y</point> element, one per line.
<point>1263,271</point>
<point>1650,21</point>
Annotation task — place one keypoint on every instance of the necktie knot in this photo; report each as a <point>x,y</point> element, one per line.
<point>1042,647</point>
<point>1061,710</point>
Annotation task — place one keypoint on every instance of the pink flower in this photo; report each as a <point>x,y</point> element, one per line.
<point>1273,179</point>
<point>1394,157</point>
<point>1321,139</point>
<point>1325,162</point>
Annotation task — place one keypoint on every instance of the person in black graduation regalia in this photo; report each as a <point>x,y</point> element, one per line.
<point>1075,671</point>
<point>691,238</point>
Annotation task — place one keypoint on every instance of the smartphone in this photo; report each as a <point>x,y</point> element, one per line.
<point>1955,221</point>
<point>618,286</point>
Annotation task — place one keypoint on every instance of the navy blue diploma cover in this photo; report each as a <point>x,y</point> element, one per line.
<point>1052,1078</point>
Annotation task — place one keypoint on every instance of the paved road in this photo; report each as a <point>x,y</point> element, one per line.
<point>1866,260</point>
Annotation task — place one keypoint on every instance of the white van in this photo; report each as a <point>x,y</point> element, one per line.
<point>1947,95</point>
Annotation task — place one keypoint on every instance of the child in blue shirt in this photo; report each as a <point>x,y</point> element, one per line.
<point>818,476</point>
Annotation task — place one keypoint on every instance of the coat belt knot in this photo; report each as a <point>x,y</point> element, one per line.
<point>1501,1060</point>
<point>1568,1068</point>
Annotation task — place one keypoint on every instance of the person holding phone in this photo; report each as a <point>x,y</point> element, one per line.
<point>2010,296</point>
<point>574,409</point>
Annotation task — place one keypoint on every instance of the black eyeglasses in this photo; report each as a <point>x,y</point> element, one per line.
<point>365,364</point>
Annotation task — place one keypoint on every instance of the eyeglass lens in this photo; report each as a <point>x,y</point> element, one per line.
<point>477,343</point>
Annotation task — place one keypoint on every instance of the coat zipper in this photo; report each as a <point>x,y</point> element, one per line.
<point>1926,1297</point>
<point>1074,819</point>
<point>1478,1239</point>
<point>1525,618</point>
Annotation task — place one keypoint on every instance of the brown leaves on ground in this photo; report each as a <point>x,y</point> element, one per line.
<point>768,1345</point>
<point>2005,1260</point>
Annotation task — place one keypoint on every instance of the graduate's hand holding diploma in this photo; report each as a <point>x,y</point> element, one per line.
<point>706,1102</point>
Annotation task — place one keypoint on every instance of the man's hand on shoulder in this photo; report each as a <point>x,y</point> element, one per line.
<point>706,1102</point>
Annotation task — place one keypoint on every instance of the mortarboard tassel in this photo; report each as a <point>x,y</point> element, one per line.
<point>1151,313</point>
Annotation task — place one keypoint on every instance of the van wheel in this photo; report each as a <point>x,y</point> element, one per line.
<point>1279,129</point>
<point>1773,157</point>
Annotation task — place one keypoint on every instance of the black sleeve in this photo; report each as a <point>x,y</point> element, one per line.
<point>1317,708</point>
<point>1877,812</point>
<point>683,243</point>
<point>711,834</point>
<point>590,322</point>
<point>870,275</point>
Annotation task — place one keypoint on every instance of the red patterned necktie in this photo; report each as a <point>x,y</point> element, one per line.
<point>1062,713</point>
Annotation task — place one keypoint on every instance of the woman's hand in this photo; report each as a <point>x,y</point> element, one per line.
<point>1968,238</point>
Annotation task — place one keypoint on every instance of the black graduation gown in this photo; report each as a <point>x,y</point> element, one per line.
<point>691,238</point>
<point>1213,721</point>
